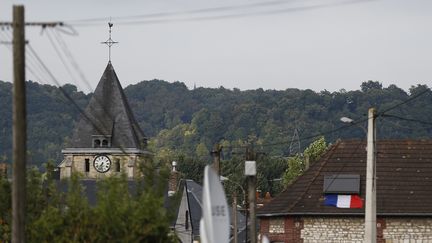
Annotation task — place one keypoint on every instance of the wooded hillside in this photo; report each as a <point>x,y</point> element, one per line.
<point>182,121</point>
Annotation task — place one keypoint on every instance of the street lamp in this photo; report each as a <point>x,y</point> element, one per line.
<point>348,120</point>
<point>370,207</point>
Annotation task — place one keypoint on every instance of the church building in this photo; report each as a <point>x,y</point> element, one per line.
<point>107,139</point>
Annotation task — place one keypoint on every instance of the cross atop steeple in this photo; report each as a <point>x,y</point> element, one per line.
<point>110,41</point>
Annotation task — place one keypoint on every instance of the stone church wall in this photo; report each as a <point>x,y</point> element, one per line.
<point>345,229</point>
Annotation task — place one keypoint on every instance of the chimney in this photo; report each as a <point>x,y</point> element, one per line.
<point>307,162</point>
<point>258,194</point>
<point>3,170</point>
<point>173,179</point>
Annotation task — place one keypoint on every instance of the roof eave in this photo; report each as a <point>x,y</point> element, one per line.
<point>344,214</point>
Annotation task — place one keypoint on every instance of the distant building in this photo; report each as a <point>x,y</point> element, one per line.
<point>404,195</point>
<point>107,139</point>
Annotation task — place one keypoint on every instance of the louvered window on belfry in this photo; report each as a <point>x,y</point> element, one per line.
<point>96,143</point>
<point>104,143</point>
<point>87,165</point>
<point>117,165</point>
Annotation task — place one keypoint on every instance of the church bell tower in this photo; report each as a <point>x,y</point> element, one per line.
<point>107,139</point>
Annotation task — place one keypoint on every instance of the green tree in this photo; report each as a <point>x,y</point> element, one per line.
<point>5,209</point>
<point>122,213</point>
<point>297,163</point>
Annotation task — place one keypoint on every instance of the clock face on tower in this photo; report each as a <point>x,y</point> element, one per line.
<point>102,163</point>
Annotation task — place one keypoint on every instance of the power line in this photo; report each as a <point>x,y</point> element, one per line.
<point>407,119</point>
<point>382,113</point>
<point>30,66</point>
<point>403,102</point>
<point>72,61</point>
<point>68,96</point>
<point>59,55</point>
<point>71,58</point>
<point>186,12</point>
<point>139,18</point>
<point>408,128</point>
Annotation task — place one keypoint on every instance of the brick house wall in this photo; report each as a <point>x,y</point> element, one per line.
<point>292,230</point>
<point>346,229</point>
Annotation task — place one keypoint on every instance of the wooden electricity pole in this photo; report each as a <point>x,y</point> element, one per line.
<point>234,218</point>
<point>19,127</point>
<point>216,154</point>
<point>250,173</point>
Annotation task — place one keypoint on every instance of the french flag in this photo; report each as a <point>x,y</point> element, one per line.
<point>343,201</point>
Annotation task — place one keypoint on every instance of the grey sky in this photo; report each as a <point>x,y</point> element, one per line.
<point>338,45</point>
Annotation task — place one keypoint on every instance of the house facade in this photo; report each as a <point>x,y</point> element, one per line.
<point>404,192</point>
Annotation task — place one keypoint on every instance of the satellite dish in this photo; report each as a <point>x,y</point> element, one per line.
<point>215,223</point>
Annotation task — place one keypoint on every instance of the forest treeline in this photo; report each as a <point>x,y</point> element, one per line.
<point>186,123</point>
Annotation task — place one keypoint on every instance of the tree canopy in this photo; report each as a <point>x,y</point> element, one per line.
<point>182,121</point>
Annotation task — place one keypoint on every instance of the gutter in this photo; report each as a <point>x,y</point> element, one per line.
<point>345,214</point>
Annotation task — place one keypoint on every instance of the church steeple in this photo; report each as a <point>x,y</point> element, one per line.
<point>106,134</point>
<point>108,117</point>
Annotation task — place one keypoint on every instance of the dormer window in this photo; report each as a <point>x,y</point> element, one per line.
<point>341,184</point>
<point>101,141</point>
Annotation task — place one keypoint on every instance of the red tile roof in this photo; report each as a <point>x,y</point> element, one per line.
<point>404,180</point>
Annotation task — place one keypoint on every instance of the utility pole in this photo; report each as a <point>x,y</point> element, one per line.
<point>19,127</point>
<point>216,154</point>
<point>250,173</point>
<point>234,218</point>
<point>370,214</point>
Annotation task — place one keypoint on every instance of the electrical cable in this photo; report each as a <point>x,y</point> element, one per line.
<point>30,66</point>
<point>60,56</point>
<point>382,114</point>
<point>308,137</point>
<point>407,128</point>
<point>226,16</point>
<point>403,102</point>
<point>194,11</point>
<point>407,119</point>
<point>68,96</point>
<point>71,58</point>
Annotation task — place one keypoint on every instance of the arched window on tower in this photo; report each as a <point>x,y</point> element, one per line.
<point>104,143</point>
<point>87,165</point>
<point>117,165</point>
<point>96,143</point>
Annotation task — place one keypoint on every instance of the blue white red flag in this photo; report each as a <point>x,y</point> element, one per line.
<point>343,201</point>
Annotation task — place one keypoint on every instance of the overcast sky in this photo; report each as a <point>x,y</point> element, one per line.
<point>270,44</point>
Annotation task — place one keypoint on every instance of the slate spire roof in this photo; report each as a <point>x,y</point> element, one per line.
<point>108,114</point>
<point>404,180</point>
